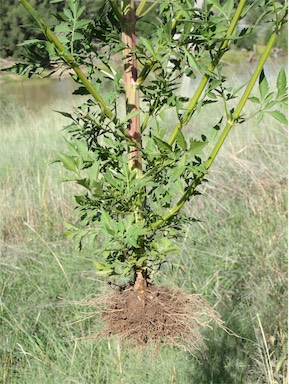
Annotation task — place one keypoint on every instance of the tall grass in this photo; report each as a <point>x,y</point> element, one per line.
<point>235,255</point>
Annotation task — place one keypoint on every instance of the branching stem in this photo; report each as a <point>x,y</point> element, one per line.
<point>193,102</point>
<point>235,116</point>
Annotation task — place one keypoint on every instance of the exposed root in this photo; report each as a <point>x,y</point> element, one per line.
<point>164,315</point>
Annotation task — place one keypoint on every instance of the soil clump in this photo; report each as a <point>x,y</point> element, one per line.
<point>158,314</point>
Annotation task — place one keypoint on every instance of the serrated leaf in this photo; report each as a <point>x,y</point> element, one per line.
<point>281,82</point>
<point>67,12</point>
<point>181,141</point>
<point>278,116</point>
<point>63,27</point>
<point>162,145</point>
<point>80,12</point>
<point>196,146</point>
<point>179,169</point>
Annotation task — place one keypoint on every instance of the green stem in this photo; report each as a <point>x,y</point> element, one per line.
<point>174,210</point>
<point>67,57</point>
<point>193,102</point>
<point>140,7</point>
<point>149,9</point>
<point>242,101</point>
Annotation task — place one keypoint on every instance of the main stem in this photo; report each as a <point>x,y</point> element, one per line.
<point>131,88</point>
<point>134,131</point>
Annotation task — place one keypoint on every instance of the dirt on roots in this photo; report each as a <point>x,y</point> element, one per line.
<point>162,315</point>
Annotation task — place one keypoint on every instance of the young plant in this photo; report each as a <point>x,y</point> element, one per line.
<point>139,169</point>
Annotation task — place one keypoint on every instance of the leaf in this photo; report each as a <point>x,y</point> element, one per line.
<point>67,12</point>
<point>141,261</point>
<point>102,269</point>
<point>196,146</point>
<point>191,60</point>
<point>107,224</point>
<point>68,162</point>
<point>281,82</point>
<point>181,141</point>
<point>254,99</point>
<point>80,91</point>
<point>162,145</point>
<point>80,12</point>
<point>147,44</point>
<point>66,114</point>
<point>179,169</point>
<point>278,116</point>
<point>263,85</point>
<point>63,27</point>
<point>30,42</point>
<point>131,115</point>
<point>93,171</point>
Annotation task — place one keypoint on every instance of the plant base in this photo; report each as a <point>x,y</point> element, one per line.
<point>163,315</point>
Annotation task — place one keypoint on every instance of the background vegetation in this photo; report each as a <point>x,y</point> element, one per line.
<point>235,255</point>
<point>14,26</point>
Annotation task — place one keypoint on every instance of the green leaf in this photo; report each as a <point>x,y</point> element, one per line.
<point>93,171</point>
<point>254,99</point>
<point>67,12</point>
<point>278,116</point>
<point>179,169</point>
<point>162,145</point>
<point>68,162</point>
<point>191,60</point>
<point>131,115</point>
<point>102,269</point>
<point>30,42</point>
<point>281,82</point>
<point>66,114</point>
<point>141,261</point>
<point>196,146</point>
<point>263,85</point>
<point>107,224</point>
<point>181,141</point>
<point>63,27</point>
<point>147,44</point>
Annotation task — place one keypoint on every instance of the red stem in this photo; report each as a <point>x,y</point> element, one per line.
<point>130,81</point>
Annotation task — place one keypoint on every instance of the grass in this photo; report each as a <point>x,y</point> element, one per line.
<point>235,255</point>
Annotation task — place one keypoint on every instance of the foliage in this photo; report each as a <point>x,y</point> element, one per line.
<point>16,25</point>
<point>236,256</point>
<point>137,214</point>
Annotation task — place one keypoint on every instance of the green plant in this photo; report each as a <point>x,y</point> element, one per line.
<point>137,173</point>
